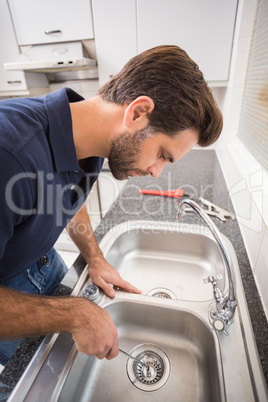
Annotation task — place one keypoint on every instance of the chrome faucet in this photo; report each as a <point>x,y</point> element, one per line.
<point>225,306</point>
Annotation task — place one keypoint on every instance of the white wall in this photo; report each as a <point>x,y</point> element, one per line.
<point>246,179</point>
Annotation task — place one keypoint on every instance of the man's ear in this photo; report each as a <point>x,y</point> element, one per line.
<point>136,112</point>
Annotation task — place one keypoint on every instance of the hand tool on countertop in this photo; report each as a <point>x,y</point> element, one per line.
<point>217,211</point>
<point>214,210</point>
<point>178,193</point>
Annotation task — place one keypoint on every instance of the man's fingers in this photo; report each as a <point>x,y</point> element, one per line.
<point>108,289</point>
<point>109,353</point>
<point>112,352</point>
<point>104,275</point>
<point>127,286</point>
<point>116,281</point>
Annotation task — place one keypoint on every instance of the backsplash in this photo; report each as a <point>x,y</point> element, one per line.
<point>85,88</point>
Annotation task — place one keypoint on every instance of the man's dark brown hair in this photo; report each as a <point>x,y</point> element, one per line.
<point>174,82</point>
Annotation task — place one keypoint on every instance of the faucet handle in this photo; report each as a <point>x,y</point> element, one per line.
<point>212,278</point>
<point>219,322</point>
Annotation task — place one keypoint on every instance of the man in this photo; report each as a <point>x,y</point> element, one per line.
<point>51,152</point>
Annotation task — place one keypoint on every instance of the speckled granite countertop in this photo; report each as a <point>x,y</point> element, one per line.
<point>198,173</point>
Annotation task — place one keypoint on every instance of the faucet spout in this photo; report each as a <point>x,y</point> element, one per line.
<point>226,308</point>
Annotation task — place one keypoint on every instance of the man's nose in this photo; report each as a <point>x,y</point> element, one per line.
<point>156,168</point>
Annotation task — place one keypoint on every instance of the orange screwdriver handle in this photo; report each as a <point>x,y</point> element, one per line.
<point>169,193</point>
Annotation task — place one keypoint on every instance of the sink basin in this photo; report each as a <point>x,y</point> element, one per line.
<point>192,350</point>
<point>168,327</point>
<point>155,258</point>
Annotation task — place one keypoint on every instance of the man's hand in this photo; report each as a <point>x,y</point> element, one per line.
<point>96,333</point>
<point>104,275</point>
<point>24,315</point>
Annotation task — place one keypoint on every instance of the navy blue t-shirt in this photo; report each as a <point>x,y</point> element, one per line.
<point>42,184</point>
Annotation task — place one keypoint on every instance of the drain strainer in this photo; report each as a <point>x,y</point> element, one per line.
<point>162,293</point>
<point>154,373</point>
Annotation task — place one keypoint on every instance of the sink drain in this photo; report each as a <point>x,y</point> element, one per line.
<point>154,374</point>
<point>162,293</point>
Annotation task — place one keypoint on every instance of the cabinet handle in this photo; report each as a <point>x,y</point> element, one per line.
<point>52,32</point>
<point>14,82</point>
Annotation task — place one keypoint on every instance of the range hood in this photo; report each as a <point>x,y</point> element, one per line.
<point>51,66</point>
<point>54,59</point>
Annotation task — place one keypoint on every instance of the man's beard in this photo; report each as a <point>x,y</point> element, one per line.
<point>125,152</point>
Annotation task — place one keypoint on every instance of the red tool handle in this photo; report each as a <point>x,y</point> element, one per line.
<point>168,193</point>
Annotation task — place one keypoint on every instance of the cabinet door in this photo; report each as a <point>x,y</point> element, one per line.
<point>115,35</point>
<point>10,81</point>
<point>46,21</point>
<point>204,28</point>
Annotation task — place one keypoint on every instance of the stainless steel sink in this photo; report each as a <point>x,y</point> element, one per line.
<point>160,257</point>
<point>169,262</point>
<point>191,369</point>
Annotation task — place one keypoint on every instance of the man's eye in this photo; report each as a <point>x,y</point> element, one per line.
<point>162,156</point>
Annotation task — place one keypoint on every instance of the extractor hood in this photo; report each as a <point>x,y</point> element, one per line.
<point>55,58</point>
<point>51,66</point>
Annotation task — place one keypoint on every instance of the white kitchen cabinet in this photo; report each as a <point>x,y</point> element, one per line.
<point>10,81</point>
<point>13,83</point>
<point>48,21</point>
<point>203,28</point>
<point>115,35</point>
<point>109,189</point>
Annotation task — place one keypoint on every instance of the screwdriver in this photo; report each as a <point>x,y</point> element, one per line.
<point>178,193</point>
<point>134,358</point>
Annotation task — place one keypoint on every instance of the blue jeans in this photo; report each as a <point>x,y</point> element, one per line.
<point>41,278</point>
